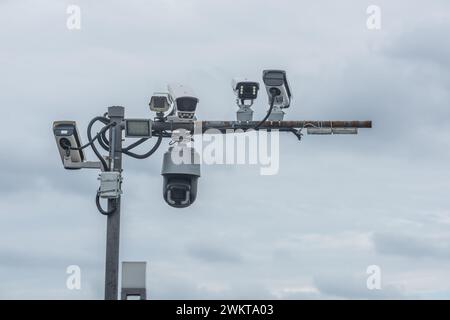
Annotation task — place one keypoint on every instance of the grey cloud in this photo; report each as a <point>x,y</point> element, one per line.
<point>213,254</point>
<point>175,288</point>
<point>347,286</point>
<point>423,44</point>
<point>412,246</point>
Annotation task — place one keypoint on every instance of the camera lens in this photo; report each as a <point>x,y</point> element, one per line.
<point>186,104</point>
<point>65,143</point>
<point>178,194</point>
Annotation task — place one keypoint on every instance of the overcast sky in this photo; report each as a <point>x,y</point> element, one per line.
<point>338,203</point>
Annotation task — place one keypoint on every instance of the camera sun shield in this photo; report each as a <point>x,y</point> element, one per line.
<point>276,79</point>
<point>67,137</point>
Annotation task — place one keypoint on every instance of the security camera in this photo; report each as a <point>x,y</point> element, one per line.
<point>185,100</point>
<point>160,102</point>
<point>246,92</point>
<point>68,138</point>
<point>245,89</point>
<point>180,178</point>
<point>277,88</point>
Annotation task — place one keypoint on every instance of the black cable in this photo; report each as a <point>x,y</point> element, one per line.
<point>165,134</point>
<point>97,136</point>
<point>101,210</point>
<point>135,144</point>
<point>274,92</point>
<point>102,138</point>
<point>297,133</point>
<point>145,155</point>
<point>272,102</point>
<point>94,148</point>
<point>103,141</point>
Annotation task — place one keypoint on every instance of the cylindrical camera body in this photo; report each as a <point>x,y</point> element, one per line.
<point>180,171</point>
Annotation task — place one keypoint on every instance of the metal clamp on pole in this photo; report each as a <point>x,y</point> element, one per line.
<point>110,185</point>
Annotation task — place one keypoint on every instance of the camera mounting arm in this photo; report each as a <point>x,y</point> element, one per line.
<point>69,164</point>
<point>267,125</point>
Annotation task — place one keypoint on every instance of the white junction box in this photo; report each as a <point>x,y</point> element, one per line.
<point>110,185</point>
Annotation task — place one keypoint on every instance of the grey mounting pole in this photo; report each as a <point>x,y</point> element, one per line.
<point>116,114</point>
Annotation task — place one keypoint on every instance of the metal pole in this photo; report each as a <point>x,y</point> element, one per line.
<point>280,125</point>
<point>116,114</point>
